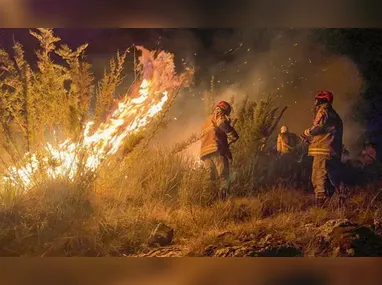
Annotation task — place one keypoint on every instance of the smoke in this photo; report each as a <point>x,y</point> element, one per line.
<point>290,65</point>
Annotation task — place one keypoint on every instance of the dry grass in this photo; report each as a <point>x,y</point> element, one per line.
<point>65,219</point>
<point>115,214</point>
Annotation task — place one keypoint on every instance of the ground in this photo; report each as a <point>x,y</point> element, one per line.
<point>275,222</point>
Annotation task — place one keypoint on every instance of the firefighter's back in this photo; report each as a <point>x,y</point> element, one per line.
<point>329,142</point>
<point>208,140</point>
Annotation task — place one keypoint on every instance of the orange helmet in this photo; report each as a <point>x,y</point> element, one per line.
<point>225,106</point>
<point>326,95</point>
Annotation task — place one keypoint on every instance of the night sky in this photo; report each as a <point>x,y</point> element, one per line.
<point>362,46</point>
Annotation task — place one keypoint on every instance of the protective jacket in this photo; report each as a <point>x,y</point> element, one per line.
<point>286,142</point>
<point>216,133</point>
<point>326,132</point>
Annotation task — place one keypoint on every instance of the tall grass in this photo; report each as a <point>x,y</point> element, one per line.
<point>112,212</point>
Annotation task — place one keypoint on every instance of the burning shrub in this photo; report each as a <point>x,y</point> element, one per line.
<point>38,103</point>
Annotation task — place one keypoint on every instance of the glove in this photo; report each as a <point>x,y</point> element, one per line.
<point>304,138</point>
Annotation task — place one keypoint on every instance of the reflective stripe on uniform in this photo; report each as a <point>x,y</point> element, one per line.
<point>319,151</point>
<point>208,149</point>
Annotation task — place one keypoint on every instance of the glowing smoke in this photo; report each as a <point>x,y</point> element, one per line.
<point>290,65</point>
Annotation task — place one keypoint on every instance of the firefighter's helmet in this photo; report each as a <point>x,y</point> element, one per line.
<point>225,106</point>
<point>283,129</point>
<point>325,96</point>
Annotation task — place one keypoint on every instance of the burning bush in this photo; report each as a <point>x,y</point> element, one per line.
<point>39,105</point>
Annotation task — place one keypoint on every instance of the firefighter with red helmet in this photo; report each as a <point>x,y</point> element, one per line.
<point>217,135</point>
<point>325,145</point>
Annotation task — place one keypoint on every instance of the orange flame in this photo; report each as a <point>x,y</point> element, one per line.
<point>130,116</point>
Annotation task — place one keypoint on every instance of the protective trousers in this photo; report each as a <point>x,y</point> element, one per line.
<point>326,175</point>
<point>286,162</point>
<point>217,167</point>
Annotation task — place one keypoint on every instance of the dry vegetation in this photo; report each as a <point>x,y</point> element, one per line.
<point>114,211</point>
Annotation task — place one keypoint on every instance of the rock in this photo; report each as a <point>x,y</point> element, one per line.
<point>250,245</point>
<point>377,226</point>
<point>163,252</point>
<point>252,251</point>
<point>265,247</point>
<point>349,239</point>
<point>225,235</point>
<point>331,224</point>
<point>162,235</point>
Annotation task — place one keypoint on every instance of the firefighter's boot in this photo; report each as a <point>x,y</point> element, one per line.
<point>321,199</point>
<point>223,194</point>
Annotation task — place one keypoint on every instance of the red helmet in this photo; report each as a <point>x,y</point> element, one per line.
<point>325,95</point>
<point>225,106</point>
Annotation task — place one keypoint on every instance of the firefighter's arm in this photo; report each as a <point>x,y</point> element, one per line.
<point>319,124</point>
<point>232,136</point>
<point>225,125</point>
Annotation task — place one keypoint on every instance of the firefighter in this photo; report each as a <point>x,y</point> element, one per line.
<point>325,145</point>
<point>286,144</point>
<point>286,141</point>
<point>217,135</point>
<point>368,155</point>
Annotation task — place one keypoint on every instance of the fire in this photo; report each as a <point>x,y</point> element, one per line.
<point>130,116</point>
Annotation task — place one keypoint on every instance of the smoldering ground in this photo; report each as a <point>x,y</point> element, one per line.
<point>289,65</point>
